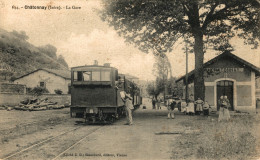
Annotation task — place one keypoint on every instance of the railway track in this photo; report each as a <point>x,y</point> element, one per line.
<point>54,147</point>
<point>75,143</point>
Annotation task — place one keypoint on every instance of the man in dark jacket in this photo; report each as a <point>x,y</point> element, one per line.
<point>171,108</point>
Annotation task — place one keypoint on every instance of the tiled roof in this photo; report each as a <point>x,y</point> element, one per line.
<point>66,74</point>
<point>62,73</point>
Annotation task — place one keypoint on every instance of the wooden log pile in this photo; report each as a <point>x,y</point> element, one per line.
<point>36,104</point>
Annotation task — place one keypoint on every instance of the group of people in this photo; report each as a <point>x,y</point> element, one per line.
<point>198,107</point>
<point>192,107</point>
<point>157,103</point>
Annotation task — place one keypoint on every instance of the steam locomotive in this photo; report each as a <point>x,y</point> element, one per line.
<point>95,93</point>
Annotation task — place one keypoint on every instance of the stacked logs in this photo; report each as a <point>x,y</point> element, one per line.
<point>36,104</point>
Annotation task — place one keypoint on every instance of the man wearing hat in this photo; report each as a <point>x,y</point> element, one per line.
<point>128,108</point>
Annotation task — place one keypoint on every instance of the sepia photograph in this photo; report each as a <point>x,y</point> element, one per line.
<point>129,79</point>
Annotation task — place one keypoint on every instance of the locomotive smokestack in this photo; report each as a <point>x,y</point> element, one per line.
<point>95,62</point>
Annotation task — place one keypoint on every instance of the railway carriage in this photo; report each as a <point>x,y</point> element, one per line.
<point>95,93</point>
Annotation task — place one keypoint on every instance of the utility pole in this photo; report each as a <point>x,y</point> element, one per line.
<point>186,76</point>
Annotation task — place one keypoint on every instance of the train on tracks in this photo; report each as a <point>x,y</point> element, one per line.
<point>95,93</point>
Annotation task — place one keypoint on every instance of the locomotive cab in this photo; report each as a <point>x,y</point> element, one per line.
<point>93,92</point>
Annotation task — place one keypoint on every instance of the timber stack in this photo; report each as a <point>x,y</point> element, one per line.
<point>36,104</point>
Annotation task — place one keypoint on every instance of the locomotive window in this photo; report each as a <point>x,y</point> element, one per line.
<point>78,76</point>
<point>86,75</point>
<point>75,76</point>
<point>105,76</point>
<point>96,76</point>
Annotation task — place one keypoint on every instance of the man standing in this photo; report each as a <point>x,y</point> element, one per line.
<point>153,102</point>
<point>159,103</point>
<point>128,108</point>
<point>171,108</point>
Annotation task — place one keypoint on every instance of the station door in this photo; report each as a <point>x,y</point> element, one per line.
<point>226,88</point>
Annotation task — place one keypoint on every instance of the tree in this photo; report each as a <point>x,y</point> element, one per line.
<point>6,74</point>
<point>162,70</point>
<point>22,35</point>
<point>162,67</point>
<point>155,88</point>
<point>155,26</point>
<point>62,61</point>
<point>49,50</point>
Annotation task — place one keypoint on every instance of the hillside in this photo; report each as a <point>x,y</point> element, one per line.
<point>18,57</point>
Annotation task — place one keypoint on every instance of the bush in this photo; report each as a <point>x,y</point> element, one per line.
<point>37,91</point>
<point>58,91</point>
<point>28,90</point>
<point>225,140</point>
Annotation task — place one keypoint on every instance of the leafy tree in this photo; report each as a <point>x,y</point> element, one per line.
<point>62,61</point>
<point>22,35</point>
<point>155,88</point>
<point>162,69</point>
<point>155,25</point>
<point>6,74</point>
<point>49,50</point>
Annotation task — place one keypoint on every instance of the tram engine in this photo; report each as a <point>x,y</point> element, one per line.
<point>95,93</point>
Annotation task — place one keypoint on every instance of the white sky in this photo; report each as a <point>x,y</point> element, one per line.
<point>81,37</point>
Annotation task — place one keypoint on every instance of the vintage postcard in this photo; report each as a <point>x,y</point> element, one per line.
<point>129,79</point>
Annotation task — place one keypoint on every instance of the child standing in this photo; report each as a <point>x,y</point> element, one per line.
<point>206,109</point>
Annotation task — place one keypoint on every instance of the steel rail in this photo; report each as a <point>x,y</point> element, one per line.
<point>41,142</point>
<point>94,130</point>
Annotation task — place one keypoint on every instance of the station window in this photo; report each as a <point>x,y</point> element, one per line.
<point>42,84</point>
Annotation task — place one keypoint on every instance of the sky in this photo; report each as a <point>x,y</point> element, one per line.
<point>81,37</point>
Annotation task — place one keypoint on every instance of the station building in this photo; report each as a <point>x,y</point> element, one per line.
<point>228,75</point>
<point>51,79</point>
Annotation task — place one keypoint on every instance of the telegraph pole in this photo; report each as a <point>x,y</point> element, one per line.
<point>186,76</point>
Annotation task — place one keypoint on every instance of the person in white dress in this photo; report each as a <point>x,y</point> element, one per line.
<point>183,107</point>
<point>223,111</point>
<point>190,107</point>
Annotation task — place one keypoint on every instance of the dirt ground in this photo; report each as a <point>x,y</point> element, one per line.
<point>153,135</point>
